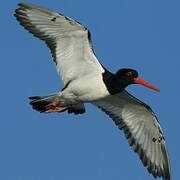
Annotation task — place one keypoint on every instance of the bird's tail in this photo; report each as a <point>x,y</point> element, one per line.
<point>48,103</point>
<point>51,103</point>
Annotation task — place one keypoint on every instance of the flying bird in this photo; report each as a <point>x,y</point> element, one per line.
<point>86,80</point>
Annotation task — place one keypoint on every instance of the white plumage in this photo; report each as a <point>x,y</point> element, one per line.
<point>66,38</point>
<point>85,80</point>
<point>141,128</point>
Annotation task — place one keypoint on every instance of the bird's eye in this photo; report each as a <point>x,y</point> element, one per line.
<point>129,73</point>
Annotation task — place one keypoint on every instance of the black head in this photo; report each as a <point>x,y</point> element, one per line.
<point>125,77</point>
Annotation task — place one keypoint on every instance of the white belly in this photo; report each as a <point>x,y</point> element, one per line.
<point>86,89</point>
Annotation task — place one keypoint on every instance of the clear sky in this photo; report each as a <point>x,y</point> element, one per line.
<point>141,34</point>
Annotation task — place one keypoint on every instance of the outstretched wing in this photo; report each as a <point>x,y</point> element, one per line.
<point>67,39</point>
<point>142,130</point>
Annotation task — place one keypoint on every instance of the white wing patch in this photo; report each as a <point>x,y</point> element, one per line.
<point>66,38</point>
<point>142,130</point>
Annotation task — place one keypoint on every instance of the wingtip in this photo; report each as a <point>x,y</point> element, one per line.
<point>20,4</point>
<point>167,166</point>
<point>23,4</point>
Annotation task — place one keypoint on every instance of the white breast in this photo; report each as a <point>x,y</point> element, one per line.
<point>87,89</point>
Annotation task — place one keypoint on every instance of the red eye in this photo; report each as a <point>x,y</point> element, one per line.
<point>129,73</point>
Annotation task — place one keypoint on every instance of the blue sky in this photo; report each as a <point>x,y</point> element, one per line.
<point>144,35</point>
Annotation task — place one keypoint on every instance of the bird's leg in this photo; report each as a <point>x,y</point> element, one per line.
<point>53,107</point>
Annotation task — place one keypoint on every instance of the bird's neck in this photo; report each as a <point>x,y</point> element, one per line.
<point>113,84</point>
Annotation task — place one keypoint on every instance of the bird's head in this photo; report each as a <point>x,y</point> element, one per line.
<point>130,76</point>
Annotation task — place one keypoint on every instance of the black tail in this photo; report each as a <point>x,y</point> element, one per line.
<point>40,103</point>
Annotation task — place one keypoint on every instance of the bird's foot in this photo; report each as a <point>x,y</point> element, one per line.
<point>52,107</point>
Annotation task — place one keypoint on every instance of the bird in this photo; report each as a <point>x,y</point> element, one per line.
<point>86,80</point>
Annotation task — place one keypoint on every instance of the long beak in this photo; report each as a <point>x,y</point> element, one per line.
<point>144,83</point>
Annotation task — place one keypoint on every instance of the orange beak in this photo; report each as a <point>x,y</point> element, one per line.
<point>144,83</point>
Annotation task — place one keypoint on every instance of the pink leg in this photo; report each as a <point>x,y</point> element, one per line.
<point>52,107</point>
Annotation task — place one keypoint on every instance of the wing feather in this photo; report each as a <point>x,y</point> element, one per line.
<point>68,40</point>
<point>142,130</point>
